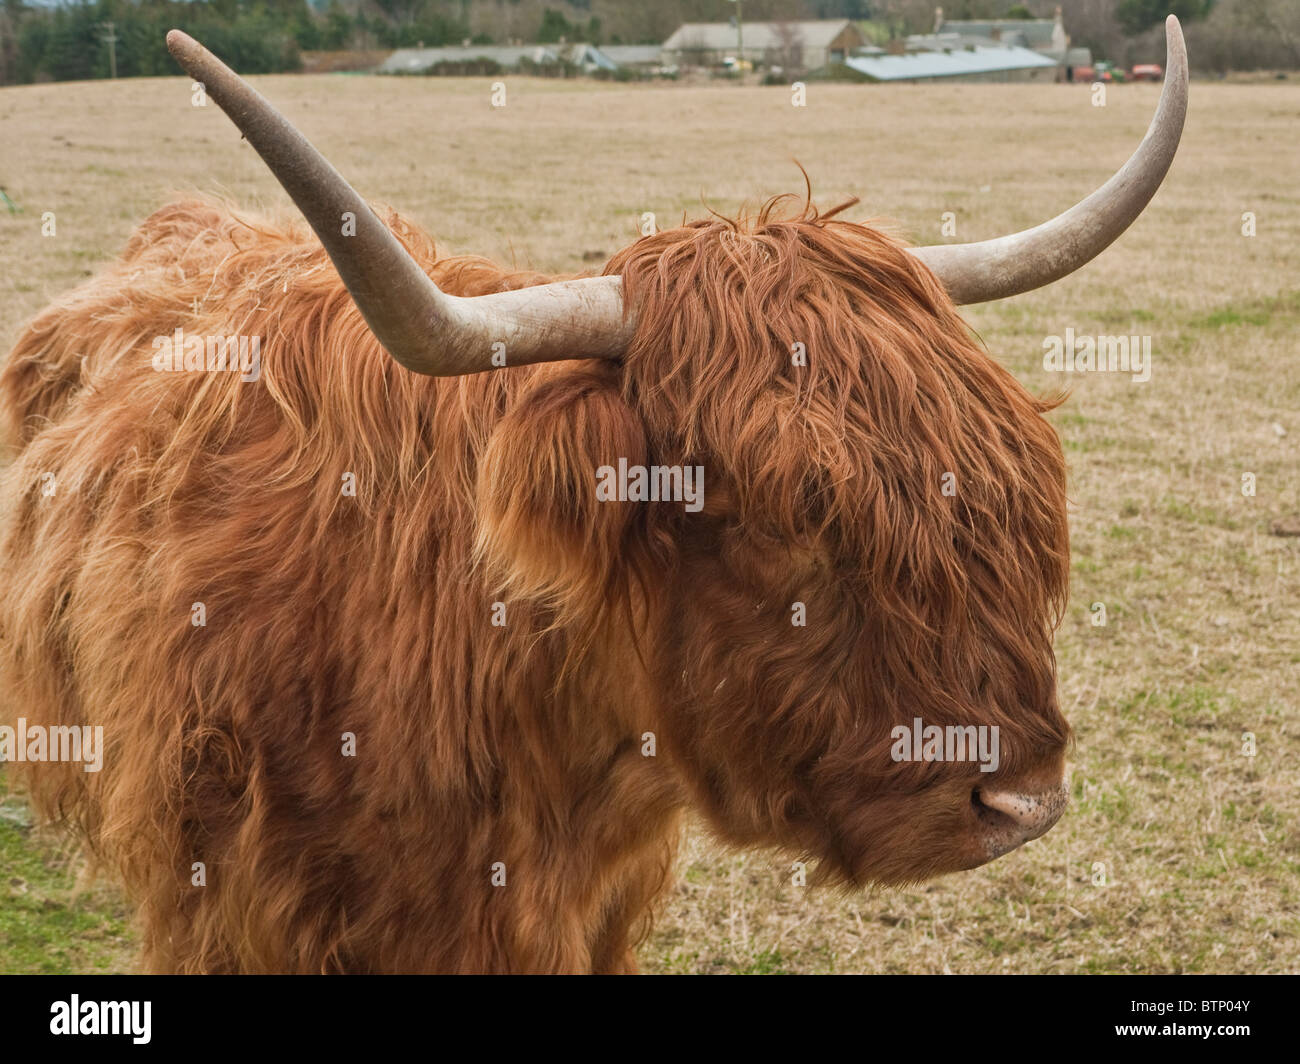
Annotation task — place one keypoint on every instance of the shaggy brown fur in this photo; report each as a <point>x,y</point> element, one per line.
<point>522,744</point>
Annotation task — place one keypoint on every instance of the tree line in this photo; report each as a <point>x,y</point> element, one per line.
<point>83,39</point>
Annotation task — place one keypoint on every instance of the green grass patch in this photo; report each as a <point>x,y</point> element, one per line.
<point>47,925</point>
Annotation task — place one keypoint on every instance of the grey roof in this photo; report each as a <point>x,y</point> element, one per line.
<point>630,54</point>
<point>1033,32</point>
<point>947,42</point>
<point>413,60</point>
<point>947,64</point>
<point>719,36</point>
<point>586,55</point>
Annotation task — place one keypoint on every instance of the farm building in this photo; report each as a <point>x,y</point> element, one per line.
<point>1040,34</point>
<point>642,58</point>
<point>789,45</point>
<point>1046,36</point>
<point>487,58</point>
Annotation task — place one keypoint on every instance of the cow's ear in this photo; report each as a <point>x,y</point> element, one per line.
<point>543,531</point>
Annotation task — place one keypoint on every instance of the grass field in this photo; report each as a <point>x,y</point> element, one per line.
<point>1180,853</point>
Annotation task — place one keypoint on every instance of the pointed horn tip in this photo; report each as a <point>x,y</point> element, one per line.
<point>184,49</point>
<point>1175,45</point>
<point>178,41</point>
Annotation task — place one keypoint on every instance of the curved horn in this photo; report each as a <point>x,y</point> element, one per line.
<point>1009,265</point>
<point>422,327</point>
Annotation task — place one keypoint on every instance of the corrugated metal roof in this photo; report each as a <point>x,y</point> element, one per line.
<point>414,60</point>
<point>946,64</point>
<point>940,42</point>
<point>719,36</point>
<point>633,53</point>
<point>1036,31</point>
<point>411,60</point>
<point>587,55</point>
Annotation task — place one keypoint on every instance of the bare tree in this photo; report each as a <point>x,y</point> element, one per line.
<point>789,45</point>
<point>1277,18</point>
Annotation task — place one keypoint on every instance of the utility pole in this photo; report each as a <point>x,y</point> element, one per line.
<point>110,39</point>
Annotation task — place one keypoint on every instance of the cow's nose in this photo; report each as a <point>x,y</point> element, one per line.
<point>1010,818</point>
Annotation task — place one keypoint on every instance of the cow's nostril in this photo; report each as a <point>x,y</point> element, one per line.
<point>1009,818</point>
<point>1027,810</point>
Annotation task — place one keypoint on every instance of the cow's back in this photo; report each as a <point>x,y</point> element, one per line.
<point>237,578</point>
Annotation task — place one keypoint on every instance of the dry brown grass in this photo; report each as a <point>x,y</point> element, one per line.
<point>1198,845</point>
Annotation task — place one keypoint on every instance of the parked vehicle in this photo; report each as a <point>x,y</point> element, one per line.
<point>1105,70</point>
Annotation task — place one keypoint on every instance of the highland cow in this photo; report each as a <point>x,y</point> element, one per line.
<point>384,685</point>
